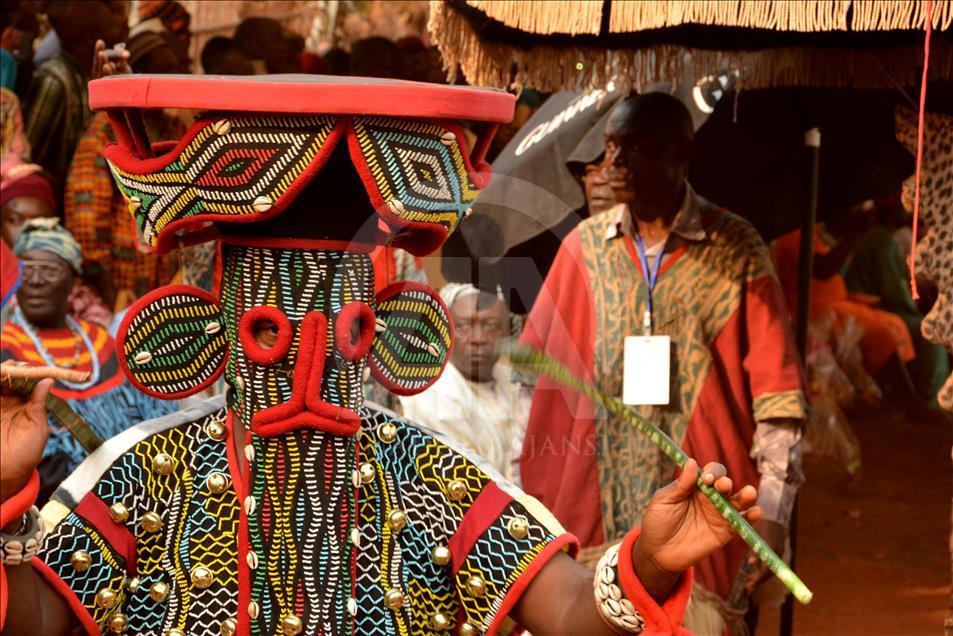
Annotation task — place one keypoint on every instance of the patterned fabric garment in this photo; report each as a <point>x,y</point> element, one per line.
<point>733,363</point>
<point>157,542</point>
<point>108,402</point>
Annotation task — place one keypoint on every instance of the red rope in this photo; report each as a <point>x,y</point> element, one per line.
<point>920,127</point>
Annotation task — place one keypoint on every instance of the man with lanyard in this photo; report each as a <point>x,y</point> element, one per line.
<point>666,264</point>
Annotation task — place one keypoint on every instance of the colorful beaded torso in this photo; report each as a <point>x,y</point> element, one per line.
<point>438,543</point>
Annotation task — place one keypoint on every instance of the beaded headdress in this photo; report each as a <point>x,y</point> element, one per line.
<point>299,177</point>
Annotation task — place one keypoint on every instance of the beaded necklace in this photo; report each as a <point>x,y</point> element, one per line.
<point>73,326</point>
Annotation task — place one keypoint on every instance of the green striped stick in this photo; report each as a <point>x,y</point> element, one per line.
<point>58,408</point>
<point>531,360</point>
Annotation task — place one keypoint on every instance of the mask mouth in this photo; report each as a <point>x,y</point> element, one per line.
<point>306,408</point>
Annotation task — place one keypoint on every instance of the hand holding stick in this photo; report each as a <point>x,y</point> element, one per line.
<point>531,360</point>
<point>23,378</point>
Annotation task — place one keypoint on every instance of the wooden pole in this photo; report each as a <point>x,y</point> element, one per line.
<point>812,146</point>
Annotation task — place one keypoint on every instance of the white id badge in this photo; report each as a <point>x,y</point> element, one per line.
<point>646,370</point>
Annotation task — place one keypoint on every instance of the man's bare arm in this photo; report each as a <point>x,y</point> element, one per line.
<point>33,607</point>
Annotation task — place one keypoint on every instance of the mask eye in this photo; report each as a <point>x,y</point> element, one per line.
<point>265,334</point>
<point>354,330</point>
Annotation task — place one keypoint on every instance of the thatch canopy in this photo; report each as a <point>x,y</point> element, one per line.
<point>561,44</point>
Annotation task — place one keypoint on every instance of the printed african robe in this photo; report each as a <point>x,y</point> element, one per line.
<point>733,364</point>
<point>148,532</point>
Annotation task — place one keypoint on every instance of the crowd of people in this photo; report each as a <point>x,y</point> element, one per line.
<point>652,258</point>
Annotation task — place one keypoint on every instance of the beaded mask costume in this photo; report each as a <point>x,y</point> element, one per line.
<point>347,519</point>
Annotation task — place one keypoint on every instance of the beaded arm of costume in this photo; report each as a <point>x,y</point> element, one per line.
<point>154,545</point>
<point>623,602</point>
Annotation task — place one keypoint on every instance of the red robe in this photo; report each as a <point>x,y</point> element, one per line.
<point>734,363</point>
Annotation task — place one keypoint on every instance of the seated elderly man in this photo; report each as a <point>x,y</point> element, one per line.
<point>41,332</point>
<point>475,401</point>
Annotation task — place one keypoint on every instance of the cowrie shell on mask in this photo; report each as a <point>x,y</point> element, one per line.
<point>213,328</point>
<point>143,357</point>
<point>380,325</point>
<point>262,204</point>
<point>221,127</point>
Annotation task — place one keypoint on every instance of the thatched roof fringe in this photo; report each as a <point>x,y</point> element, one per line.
<point>546,17</point>
<point>550,69</point>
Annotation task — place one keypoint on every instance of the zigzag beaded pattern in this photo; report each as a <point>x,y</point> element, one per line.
<point>296,282</point>
<point>225,169</point>
<point>413,474</point>
<point>199,527</point>
<point>299,530</point>
<point>175,343</point>
<point>418,164</point>
<point>106,569</point>
<point>402,353</point>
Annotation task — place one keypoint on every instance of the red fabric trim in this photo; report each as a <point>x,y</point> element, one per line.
<point>362,312</point>
<point>661,620</point>
<point>304,244</point>
<point>123,332</point>
<point>522,583</point>
<point>558,462</point>
<point>386,294</point>
<point>124,157</point>
<point>96,512</point>
<point>15,506</point>
<point>60,587</point>
<point>246,334</point>
<point>484,511</point>
<point>98,389</point>
<point>306,408</point>
<point>395,98</point>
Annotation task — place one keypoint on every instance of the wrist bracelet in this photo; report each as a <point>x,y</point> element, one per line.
<point>23,546</point>
<point>616,610</point>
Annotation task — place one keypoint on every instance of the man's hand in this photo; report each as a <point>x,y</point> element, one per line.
<point>106,62</point>
<point>775,535</point>
<point>23,433</point>
<point>681,526</point>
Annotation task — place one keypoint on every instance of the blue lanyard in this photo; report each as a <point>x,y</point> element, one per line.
<point>651,277</point>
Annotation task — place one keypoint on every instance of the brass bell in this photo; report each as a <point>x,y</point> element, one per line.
<point>81,560</point>
<point>466,629</point>
<point>217,483</point>
<point>393,598</point>
<point>291,625</point>
<point>518,527</point>
<point>174,632</point>
<point>118,512</point>
<point>202,577</point>
<point>229,627</point>
<point>387,432</point>
<point>118,623</point>
<point>440,622</point>
<point>396,520</point>
<point>216,431</point>
<point>159,592</point>
<point>133,584</point>
<point>106,598</point>
<point>476,586</point>
<point>440,555</point>
<point>162,464</point>
<point>367,473</point>
<point>151,522</point>
<point>457,490</point>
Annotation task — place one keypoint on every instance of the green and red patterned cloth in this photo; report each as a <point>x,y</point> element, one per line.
<point>734,364</point>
